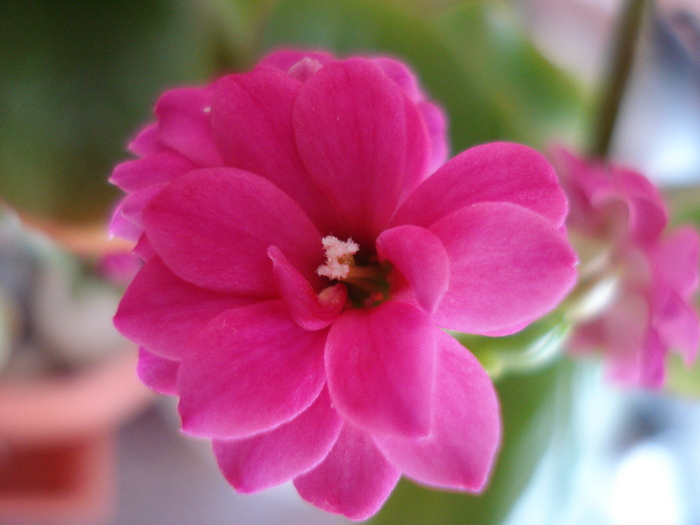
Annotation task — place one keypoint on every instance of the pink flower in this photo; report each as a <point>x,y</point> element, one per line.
<point>294,290</point>
<point>621,214</point>
<point>182,139</point>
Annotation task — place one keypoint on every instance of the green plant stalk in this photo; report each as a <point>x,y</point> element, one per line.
<point>617,76</point>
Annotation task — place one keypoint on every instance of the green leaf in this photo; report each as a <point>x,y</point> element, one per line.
<point>681,379</point>
<point>235,27</point>
<point>684,204</point>
<point>536,100</point>
<point>78,79</point>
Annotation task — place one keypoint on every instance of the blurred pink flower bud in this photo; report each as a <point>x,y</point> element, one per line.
<point>651,312</point>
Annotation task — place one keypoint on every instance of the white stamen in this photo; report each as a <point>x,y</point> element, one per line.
<point>338,257</point>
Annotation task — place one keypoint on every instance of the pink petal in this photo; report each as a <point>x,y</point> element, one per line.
<point>436,124</point>
<point>495,172</point>
<point>418,150</point>
<point>647,212</point>
<point>460,451</point>
<point>421,258</point>
<point>380,364</point>
<point>183,124</point>
<point>623,335</point>
<point>309,310</point>
<point>144,249</point>
<point>611,201</point>
<point>433,117</point>
<point>588,338</point>
<point>147,142</point>
<point>354,480</point>
<point>213,227</point>
<point>653,370</point>
<point>157,373</point>
<point>118,267</point>
<point>275,457</point>
<point>254,369</point>
<point>676,322</point>
<point>266,98</point>
<point>676,260</point>
<point>401,75</point>
<point>508,267</point>
<point>579,183</point>
<point>644,368</point>
<point>160,168</point>
<point>165,313</point>
<point>133,205</point>
<point>122,227</point>
<point>352,133</point>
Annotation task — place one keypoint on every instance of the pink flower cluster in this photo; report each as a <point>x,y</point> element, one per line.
<point>304,247</point>
<point>622,215</point>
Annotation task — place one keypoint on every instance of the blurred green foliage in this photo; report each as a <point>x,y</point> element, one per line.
<point>471,56</point>
<point>681,379</point>
<point>80,76</point>
<point>77,78</point>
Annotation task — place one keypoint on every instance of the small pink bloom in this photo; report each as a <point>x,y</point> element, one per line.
<point>621,214</point>
<point>301,265</point>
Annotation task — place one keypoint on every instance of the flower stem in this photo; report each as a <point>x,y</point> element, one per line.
<point>617,75</point>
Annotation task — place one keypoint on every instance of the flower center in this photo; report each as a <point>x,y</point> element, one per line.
<point>364,276</point>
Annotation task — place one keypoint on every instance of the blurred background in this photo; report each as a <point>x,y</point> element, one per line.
<point>82,442</point>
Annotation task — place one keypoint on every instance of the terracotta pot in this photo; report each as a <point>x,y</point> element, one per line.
<point>57,458</point>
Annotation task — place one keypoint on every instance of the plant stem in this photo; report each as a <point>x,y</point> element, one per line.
<point>617,75</point>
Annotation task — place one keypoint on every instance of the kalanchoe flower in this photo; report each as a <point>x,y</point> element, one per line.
<point>301,265</point>
<point>618,220</point>
<point>182,138</point>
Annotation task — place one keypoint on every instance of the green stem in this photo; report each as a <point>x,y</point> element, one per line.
<point>617,75</point>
